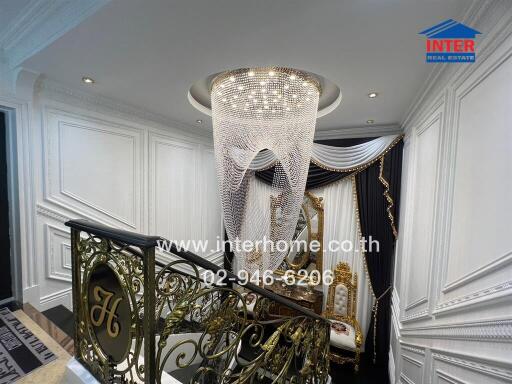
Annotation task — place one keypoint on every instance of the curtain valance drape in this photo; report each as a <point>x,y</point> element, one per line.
<point>339,159</point>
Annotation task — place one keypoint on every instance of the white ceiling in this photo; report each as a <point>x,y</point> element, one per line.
<point>148,53</point>
<point>10,10</point>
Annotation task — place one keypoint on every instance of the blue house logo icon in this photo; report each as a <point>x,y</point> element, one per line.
<point>450,42</point>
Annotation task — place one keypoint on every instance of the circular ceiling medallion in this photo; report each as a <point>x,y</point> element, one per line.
<point>200,98</point>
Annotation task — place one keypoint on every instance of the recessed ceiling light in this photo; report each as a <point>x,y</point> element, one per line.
<point>199,121</point>
<point>370,121</point>
<point>88,80</point>
<point>373,95</point>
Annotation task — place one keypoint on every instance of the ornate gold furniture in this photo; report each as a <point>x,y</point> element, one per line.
<point>304,296</point>
<point>303,259</point>
<point>341,309</point>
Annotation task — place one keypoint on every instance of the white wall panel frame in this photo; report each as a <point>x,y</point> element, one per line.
<point>20,112</point>
<point>423,176</point>
<point>55,123</point>
<point>187,200</point>
<point>462,298</point>
<point>58,109</point>
<point>466,326</point>
<point>58,256</point>
<point>211,212</point>
<point>467,369</point>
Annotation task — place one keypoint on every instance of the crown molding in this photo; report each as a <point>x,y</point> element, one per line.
<point>354,132</point>
<point>57,91</point>
<point>42,22</point>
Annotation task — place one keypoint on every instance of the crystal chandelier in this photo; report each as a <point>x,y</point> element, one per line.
<point>257,109</point>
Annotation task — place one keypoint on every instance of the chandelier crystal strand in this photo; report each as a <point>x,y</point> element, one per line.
<point>253,110</point>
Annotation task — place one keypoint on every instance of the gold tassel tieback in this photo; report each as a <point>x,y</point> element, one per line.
<point>375,310</point>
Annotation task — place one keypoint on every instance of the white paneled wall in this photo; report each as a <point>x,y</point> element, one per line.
<point>452,300</point>
<point>95,161</point>
<point>94,166</point>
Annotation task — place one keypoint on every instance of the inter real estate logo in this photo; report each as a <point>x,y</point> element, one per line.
<point>450,42</point>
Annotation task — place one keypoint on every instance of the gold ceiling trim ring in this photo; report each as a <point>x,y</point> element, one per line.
<point>388,197</point>
<point>302,75</point>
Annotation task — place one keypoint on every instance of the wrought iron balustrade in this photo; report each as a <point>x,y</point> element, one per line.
<point>137,320</point>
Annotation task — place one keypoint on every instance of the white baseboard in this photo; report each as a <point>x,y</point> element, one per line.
<point>63,297</point>
<point>31,296</point>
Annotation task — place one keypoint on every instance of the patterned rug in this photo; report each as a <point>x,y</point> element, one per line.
<point>20,351</point>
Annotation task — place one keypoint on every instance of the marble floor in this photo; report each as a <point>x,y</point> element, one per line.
<point>51,373</point>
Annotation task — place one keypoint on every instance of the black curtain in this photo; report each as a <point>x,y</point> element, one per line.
<point>228,254</point>
<point>317,177</point>
<point>375,224</point>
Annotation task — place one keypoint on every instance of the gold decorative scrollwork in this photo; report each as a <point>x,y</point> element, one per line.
<point>283,349</point>
<point>91,252</point>
<point>312,215</point>
<point>222,319</point>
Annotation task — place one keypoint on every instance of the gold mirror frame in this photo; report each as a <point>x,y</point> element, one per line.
<point>315,203</point>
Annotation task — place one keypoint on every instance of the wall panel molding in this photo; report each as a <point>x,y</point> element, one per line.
<point>486,295</point>
<point>421,217</point>
<point>76,149</point>
<point>462,334</point>
<point>491,330</point>
<point>470,287</point>
<point>414,349</point>
<point>466,362</point>
<point>58,256</point>
<point>173,177</point>
<point>70,128</point>
<point>19,112</point>
<point>478,273</point>
<point>441,377</point>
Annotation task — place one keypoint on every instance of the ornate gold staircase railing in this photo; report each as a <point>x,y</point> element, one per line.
<point>137,319</point>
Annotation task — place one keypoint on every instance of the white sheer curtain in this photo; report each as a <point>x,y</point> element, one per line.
<point>258,196</point>
<point>336,158</point>
<point>340,225</point>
